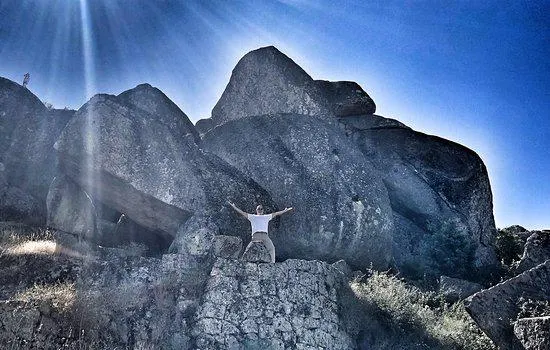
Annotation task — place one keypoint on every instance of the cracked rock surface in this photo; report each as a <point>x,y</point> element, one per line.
<point>288,305</point>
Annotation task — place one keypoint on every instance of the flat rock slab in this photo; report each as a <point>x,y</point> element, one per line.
<point>496,308</point>
<point>289,305</point>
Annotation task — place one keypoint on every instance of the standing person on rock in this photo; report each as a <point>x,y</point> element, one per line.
<point>259,223</point>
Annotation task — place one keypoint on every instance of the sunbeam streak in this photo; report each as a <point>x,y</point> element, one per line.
<point>87,51</point>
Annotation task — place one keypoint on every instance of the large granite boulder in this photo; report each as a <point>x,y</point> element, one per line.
<point>341,207</point>
<point>149,167</point>
<point>28,131</point>
<point>495,309</point>
<point>440,198</point>
<point>266,81</point>
<point>155,102</point>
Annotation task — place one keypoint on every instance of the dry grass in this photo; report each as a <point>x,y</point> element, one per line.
<point>424,314</point>
<point>60,295</point>
<point>17,239</point>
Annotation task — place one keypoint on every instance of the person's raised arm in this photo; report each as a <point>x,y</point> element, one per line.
<point>237,209</point>
<point>281,212</point>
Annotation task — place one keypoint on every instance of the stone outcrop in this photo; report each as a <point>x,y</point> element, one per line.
<point>536,250</point>
<point>454,289</point>
<point>341,206</point>
<point>256,252</point>
<point>28,131</point>
<point>145,166</point>
<point>533,332</point>
<point>155,102</point>
<point>266,81</point>
<point>440,197</point>
<point>496,308</point>
<point>228,247</point>
<point>289,305</point>
<point>70,209</point>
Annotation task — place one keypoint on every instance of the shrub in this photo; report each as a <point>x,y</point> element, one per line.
<point>508,247</point>
<point>416,319</point>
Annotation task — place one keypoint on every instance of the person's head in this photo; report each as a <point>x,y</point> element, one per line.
<point>259,210</point>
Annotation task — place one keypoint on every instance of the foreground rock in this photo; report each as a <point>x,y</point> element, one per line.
<point>533,332</point>
<point>256,252</point>
<point>289,305</point>
<point>147,167</point>
<point>265,81</point>
<point>28,131</point>
<point>496,308</point>
<point>342,210</point>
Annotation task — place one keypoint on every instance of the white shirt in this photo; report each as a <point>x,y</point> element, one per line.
<point>259,222</point>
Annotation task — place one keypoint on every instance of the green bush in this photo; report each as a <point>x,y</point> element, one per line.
<point>508,247</point>
<point>414,319</point>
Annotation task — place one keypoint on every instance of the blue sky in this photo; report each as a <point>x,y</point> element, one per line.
<point>474,72</point>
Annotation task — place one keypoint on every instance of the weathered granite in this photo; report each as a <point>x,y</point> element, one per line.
<point>28,131</point>
<point>229,247</point>
<point>454,289</point>
<point>536,250</point>
<point>341,206</point>
<point>266,81</point>
<point>289,305</point>
<point>496,308</point>
<point>533,332</point>
<point>256,252</point>
<point>440,198</point>
<point>70,209</point>
<point>149,167</point>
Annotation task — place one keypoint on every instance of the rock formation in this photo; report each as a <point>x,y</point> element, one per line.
<point>132,171</point>
<point>27,161</point>
<point>440,196</point>
<point>533,332</point>
<point>341,205</point>
<point>536,250</point>
<point>266,81</point>
<point>270,306</point>
<point>148,168</point>
<point>495,309</point>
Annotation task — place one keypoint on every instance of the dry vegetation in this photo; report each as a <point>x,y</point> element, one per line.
<point>423,318</point>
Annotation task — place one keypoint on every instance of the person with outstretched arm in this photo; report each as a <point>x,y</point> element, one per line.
<point>259,223</point>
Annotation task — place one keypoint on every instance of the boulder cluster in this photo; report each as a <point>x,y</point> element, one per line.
<point>365,188</point>
<point>368,193</point>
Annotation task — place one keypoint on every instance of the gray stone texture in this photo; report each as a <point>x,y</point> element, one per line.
<point>533,332</point>
<point>495,309</point>
<point>536,250</point>
<point>454,289</point>
<point>28,131</point>
<point>148,167</point>
<point>70,209</point>
<point>229,247</point>
<point>289,305</point>
<point>440,199</point>
<point>256,252</point>
<point>266,81</point>
<point>341,206</point>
